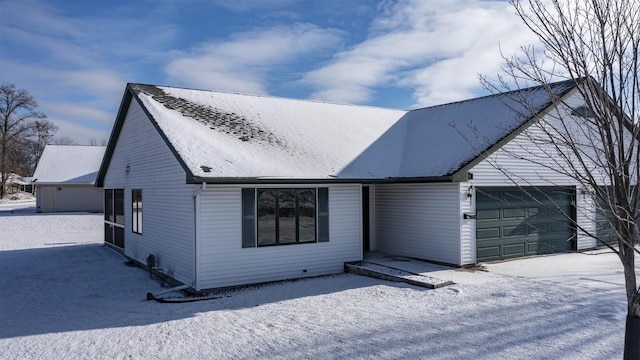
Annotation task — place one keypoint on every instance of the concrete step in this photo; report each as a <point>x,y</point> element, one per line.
<point>384,272</point>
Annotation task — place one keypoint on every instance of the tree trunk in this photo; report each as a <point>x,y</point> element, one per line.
<point>632,329</point>
<point>632,338</point>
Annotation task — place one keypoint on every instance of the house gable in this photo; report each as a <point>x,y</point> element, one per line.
<point>127,98</point>
<point>141,160</point>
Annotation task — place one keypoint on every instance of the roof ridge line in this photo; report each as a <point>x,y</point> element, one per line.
<point>497,94</point>
<point>273,97</point>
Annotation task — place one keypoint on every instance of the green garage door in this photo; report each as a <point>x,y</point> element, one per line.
<point>603,225</point>
<point>603,229</point>
<point>509,223</point>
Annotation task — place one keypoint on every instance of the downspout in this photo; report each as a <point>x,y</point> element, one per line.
<point>196,233</point>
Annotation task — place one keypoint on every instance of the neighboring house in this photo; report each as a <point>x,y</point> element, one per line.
<point>241,189</point>
<point>65,179</point>
<point>17,183</point>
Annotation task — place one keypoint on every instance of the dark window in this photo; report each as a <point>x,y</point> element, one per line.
<point>118,238</point>
<point>114,217</point>
<point>267,217</point>
<point>323,214</point>
<point>136,211</point>
<point>306,211</point>
<point>248,218</point>
<point>287,216</point>
<point>108,205</point>
<point>118,206</point>
<point>108,233</point>
<point>283,216</point>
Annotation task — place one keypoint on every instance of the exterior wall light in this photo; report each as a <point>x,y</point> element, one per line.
<point>584,191</point>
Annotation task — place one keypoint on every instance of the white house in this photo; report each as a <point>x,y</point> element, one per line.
<point>240,189</point>
<point>17,183</point>
<point>65,179</point>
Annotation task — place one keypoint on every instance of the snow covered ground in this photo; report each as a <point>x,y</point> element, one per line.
<point>65,296</point>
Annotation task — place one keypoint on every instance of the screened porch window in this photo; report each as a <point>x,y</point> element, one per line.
<point>114,217</point>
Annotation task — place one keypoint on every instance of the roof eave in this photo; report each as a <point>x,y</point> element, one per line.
<point>49,183</point>
<point>255,180</point>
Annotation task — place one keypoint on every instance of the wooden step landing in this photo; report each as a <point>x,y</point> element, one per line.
<point>378,271</point>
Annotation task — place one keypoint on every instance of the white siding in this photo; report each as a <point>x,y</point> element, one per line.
<point>420,221</point>
<point>585,215</point>
<point>510,165</point>
<point>68,198</point>
<point>168,208</point>
<point>528,159</point>
<point>223,262</point>
<point>372,218</point>
<point>467,198</point>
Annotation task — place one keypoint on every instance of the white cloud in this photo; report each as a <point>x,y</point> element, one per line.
<point>243,62</point>
<point>93,81</point>
<point>437,48</point>
<point>89,112</point>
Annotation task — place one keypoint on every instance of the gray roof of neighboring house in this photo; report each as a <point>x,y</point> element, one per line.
<point>69,164</point>
<point>226,137</point>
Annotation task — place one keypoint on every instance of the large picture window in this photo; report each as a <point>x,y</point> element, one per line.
<point>284,216</point>
<point>114,217</point>
<point>136,211</point>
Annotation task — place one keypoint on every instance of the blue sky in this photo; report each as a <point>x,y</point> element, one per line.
<point>77,56</point>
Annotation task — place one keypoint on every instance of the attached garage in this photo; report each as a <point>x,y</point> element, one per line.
<point>513,222</point>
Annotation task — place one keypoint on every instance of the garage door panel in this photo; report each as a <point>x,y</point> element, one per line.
<point>492,253</point>
<point>513,249</point>
<point>488,233</point>
<point>513,213</point>
<point>511,231</point>
<point>535,229</point>
<point>560,244</point>
<point>555,226</point>
<point>517,225</point>
<point>487,214</point>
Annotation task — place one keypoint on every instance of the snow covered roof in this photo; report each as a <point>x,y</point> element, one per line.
<point>231,137</point>
<point>14,178</point>
<point>439,141</point>
<point>69,164</point>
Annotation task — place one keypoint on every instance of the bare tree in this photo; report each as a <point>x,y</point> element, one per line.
<point>596,141</point>
<point>96,142</point>
<point>43,135</point>
<point>31,148</point>
<point>18,118</point>
<point>64,140</point>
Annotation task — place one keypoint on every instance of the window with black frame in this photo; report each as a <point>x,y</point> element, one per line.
<point>284,216</point>
<point>136,211</point>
